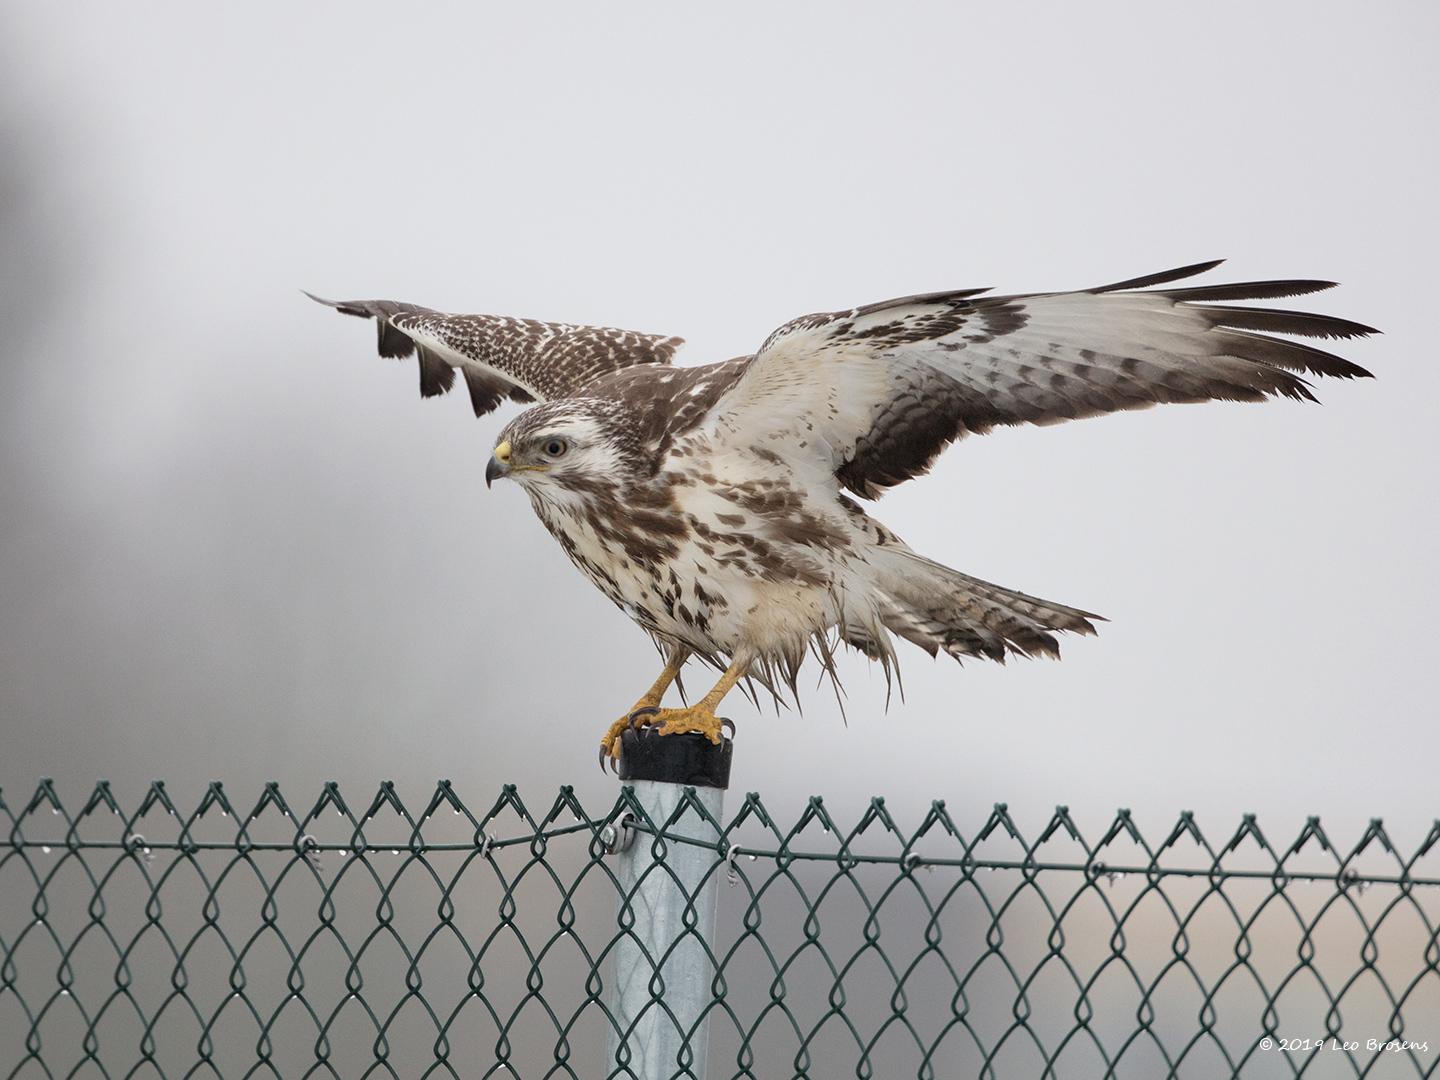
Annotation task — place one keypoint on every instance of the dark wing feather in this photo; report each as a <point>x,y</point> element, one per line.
<point>1164,277</point>
<point>1272,321</point>
<point>1251,290</point>
<point>878,392</point>
<point>500,357</point>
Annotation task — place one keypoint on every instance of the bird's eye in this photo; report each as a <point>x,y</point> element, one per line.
<point>555,448</point>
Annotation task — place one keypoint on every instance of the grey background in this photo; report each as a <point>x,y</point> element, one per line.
<point>235,544</point>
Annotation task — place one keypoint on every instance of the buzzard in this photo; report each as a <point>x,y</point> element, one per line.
<point>709,503</point>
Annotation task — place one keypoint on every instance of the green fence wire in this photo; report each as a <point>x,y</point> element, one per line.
<point>370,939</point>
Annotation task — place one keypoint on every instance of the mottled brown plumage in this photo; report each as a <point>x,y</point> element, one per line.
<point>523,359</point>
<point>707,502</point>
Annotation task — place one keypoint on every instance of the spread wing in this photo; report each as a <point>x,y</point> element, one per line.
<point>501,357</point>
<point>875,393</point>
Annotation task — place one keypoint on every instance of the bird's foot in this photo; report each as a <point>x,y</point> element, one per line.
<point>698,719</point>
<point>610,741</point>
<point>695,719</point>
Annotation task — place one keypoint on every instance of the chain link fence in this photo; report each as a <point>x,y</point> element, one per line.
<point>374,939</point>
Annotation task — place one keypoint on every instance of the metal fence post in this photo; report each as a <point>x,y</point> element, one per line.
<point>661,1029</point>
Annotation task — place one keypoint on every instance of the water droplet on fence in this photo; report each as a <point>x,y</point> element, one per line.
<point>224,813</point>
<point>54,809</point>
<point>64,992</point>
<point>394,851</point>
<point>752,858</point>
<point>45,849</point>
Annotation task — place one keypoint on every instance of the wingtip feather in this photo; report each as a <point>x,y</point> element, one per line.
<point>1161,278</point>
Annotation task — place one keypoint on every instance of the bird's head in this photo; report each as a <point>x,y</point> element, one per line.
<point>561,447</point>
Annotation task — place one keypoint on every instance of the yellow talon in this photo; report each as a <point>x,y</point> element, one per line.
<point>697,718</point>
<point>610,741</point>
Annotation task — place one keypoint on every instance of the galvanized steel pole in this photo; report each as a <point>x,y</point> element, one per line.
<point>662,976</point>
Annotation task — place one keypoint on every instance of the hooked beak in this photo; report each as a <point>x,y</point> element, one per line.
<point>499,463</point>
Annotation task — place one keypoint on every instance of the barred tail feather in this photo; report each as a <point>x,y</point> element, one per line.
<point>943,610</point>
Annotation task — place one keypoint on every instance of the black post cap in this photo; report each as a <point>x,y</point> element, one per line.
<point>675,759</point>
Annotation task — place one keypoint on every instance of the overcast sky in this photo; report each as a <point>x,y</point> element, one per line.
<point>235,544</point>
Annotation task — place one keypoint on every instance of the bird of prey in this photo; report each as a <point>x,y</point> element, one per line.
<point>709,503</point>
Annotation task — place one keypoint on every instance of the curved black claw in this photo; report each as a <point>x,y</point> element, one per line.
<point>725,722</point>
<point>648,710</point>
